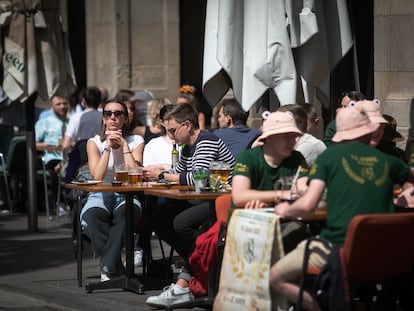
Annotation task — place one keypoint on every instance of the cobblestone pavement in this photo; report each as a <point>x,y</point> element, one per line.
<point>38,270</point>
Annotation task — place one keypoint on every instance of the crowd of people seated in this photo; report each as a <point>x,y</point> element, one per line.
<point>357,155</point>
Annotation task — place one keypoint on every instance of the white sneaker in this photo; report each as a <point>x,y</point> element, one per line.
<point>138,258</point>
<point>104,277</point>
<point>171,295</point>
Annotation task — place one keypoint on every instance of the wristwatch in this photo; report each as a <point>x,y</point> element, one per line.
<point>106,149</point>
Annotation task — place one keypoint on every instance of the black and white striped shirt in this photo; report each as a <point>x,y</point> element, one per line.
<point>206,149</point>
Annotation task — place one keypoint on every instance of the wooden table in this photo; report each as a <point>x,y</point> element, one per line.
<point>182,193</point>
<point>129,281</point>
<point>186,194</point>
<point>315,215</point>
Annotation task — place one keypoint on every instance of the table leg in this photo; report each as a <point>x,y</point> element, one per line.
<point>130,280</point>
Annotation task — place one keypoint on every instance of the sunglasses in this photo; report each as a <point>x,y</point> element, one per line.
<point>116,113</point>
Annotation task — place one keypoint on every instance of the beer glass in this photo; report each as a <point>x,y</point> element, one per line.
<point>121,173</point>
<point>135,176</point>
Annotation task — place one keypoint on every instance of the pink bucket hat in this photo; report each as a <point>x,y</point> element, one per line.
<point>373,109</point>
<point>353,122</point>
<point>278,123</point>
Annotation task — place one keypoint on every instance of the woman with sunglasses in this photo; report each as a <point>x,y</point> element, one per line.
<point>102,217</point>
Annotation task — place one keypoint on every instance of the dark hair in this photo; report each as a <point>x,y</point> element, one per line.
<point>299,114</point>
<point>353,95</point>
<point>164,109</point>
<point>183,112</point>
<point>92,96</point>
<point>232,108</point>
<point>163,112</point>
<point>123,95</point>
<point>310,111</point>
<point>125,128</point>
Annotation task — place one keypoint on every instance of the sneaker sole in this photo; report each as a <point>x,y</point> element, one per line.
<point>161,306</point>
<point>156,305</point>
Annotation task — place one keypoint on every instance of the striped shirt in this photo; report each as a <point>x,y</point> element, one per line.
<point>206,149</point>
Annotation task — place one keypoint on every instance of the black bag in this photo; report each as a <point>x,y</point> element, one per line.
<point>293,232</point>
<point>330,285</point>
<point>160,269</point>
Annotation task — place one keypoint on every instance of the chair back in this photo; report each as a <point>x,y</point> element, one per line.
<point>76,158</point>
<point>6,133</point>
<point>223,204</point>
<point>17,156</point>
<point>377,246</point>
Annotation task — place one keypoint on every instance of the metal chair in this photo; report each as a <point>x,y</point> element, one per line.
<point>13,169</point>
<point>3,170</point>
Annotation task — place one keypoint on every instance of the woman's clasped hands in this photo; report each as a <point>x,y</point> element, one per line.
<point>114,138</point>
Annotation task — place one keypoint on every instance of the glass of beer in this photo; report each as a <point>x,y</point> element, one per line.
<point>121,173</point>
<point>224,171</point>
<point>135,176</point>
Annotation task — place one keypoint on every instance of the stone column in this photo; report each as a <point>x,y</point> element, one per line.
<point>394,60</point>
<point>133,44</point>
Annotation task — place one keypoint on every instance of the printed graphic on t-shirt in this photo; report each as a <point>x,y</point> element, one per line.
<point>366,170</point>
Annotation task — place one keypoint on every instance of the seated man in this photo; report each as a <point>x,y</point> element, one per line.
<point>308,145</point>
<point>48,132</point>
<point>231,120</point>
<point>257,169</point>
<point>359,180</point>
<point>178,222</point>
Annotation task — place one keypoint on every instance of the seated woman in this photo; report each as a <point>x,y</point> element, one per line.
<point>153,130</point>
<point>103,216</point>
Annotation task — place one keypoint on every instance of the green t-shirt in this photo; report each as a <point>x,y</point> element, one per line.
<point>251,163</point>
<point>411,159</point>
<point>359,180</point>
<point>329,133</point>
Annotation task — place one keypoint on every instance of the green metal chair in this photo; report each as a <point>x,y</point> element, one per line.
<point>14,170</point>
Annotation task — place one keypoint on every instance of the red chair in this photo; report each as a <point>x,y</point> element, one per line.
<point>378,250</point>
<point>377,259</point>
<point>223,204</point>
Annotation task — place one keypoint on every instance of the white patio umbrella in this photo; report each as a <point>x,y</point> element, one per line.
<point>255,45</point>
<point>36,56</point>
<point>36,60</point>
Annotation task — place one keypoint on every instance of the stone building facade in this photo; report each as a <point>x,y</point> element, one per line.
<point>136,45</point>
<point>394,60</point>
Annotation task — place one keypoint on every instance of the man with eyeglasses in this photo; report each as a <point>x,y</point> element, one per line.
<point>179,222</point>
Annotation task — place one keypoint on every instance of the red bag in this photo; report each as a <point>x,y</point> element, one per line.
<point>203,258</point>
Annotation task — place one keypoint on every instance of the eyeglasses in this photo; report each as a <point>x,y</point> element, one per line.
<point>172,131</point>
<point>116,113</point>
